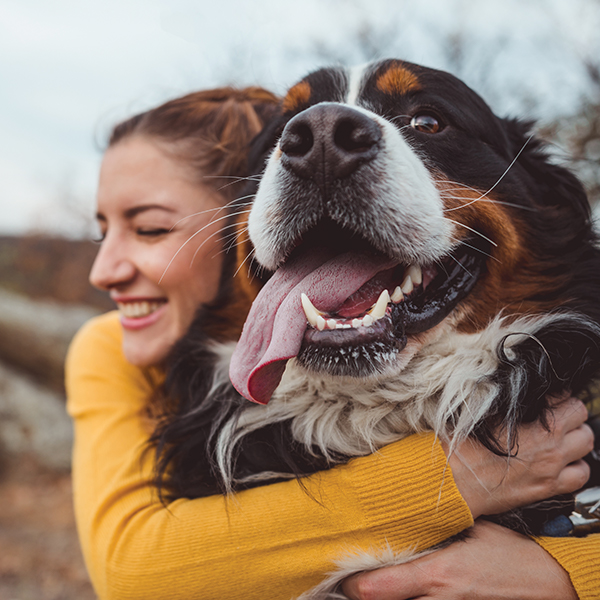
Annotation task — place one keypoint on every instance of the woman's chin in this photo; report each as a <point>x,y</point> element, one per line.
<point>142,354</point>
<point>148,342</point>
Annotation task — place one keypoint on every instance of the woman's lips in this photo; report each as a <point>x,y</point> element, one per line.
<point>137,314</point>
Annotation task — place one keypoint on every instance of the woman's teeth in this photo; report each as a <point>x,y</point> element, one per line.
<point>319,320</point>
<point>135,310</point>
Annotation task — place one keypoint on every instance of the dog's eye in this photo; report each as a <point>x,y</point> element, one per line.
<point>426,123</point>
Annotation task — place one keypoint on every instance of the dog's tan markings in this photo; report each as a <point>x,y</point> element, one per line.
<point>514,282</point>
<point>397,80</point>
<point>296,97</point>
<point>228,320</point>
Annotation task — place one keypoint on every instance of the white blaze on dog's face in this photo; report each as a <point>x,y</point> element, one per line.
<point>385,211</point>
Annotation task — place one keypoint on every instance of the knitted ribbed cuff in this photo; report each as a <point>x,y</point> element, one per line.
<point>580,557</point>
<point>408,492</point>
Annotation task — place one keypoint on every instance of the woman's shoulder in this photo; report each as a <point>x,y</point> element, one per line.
<point>97,372</point>
<point>105,327</point>
<point>98,342</point>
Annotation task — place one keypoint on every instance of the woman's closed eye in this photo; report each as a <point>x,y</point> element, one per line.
<point>152,232</point>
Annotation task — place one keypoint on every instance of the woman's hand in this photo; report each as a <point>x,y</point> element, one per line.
<point>548,463</point>
<point>494,563</point>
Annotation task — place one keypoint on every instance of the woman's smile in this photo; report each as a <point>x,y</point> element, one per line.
<point>140,313</point>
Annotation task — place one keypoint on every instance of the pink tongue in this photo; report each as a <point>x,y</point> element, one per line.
<point>276,323</point>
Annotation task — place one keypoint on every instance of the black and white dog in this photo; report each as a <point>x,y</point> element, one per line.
<point>412,262</point>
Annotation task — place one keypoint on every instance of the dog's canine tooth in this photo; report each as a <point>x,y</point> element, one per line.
<point>407,285</point>
<point>378,311</point>
<point>312,314</point>
<point>397,296</point>
<point>415,273</point>
<point>321,323</point>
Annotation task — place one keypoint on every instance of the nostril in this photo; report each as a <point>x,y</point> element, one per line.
<point>354,137</point>
<point>297,140</point>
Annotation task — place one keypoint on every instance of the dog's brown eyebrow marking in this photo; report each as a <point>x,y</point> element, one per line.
<point>397,80</point>
<point>296,96</point>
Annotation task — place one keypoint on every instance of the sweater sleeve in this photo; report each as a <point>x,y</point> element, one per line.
<point>580,557</point>
<point>275,541</point>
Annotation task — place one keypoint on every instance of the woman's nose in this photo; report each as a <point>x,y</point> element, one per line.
<point>112,266</point>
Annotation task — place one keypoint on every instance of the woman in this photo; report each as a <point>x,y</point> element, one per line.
<point>164,183</point>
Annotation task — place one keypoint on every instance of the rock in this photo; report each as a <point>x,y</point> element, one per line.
<point>35,335</point>
<point>33,420</point>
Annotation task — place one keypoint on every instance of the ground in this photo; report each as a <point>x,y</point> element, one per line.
<point>40,557</point>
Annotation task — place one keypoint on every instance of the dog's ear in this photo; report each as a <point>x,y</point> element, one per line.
<point>264,142</point>
<point>554,185</point>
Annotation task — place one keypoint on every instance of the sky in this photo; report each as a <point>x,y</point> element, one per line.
<point>71,69</point>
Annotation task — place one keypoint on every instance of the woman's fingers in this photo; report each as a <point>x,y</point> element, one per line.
<point>568,414</point>
<point>403,582</point>
<point>573,477</point>
<point>578,442</point>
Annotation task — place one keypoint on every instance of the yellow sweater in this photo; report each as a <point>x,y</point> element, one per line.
<point>275,541</point>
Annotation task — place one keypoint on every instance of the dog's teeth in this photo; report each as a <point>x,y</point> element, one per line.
<point>407,285</point>
<point>321,323</point>
<point>312,314</point>
<point>415,273</point>
<point>397,296</point>
<point>356,323</point>
<point>368,320</point>
<point>378,311</point>
<point>331,324</point>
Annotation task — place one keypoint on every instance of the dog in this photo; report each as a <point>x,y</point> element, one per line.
<point>409,262</point>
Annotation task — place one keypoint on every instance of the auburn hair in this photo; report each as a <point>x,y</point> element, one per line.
<point>209,130</point>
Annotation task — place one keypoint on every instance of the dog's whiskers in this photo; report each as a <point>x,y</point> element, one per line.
<point>510,166</point>
<point>487,239</point>
<point>220,231</point>
<point>243,262</point>
<point>461,265</point>
<point>445,195</point>
<point>464,243</point>
<point>217,209</point>
<point>211,222</point>
<point>235,240</point>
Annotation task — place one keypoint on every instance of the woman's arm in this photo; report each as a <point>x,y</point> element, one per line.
<point>275,541</point>
<point>493,563</point>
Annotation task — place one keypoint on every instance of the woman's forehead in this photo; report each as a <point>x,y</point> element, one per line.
<point>138,173</point>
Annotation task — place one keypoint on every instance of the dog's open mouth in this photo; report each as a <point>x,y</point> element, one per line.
<point>345,314</point>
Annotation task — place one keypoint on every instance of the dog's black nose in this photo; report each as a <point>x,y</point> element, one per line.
<point>329,141</point>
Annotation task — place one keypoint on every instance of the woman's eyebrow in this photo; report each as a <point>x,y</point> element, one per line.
<point>136,210</point>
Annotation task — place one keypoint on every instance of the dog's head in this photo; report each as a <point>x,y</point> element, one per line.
<point>396,205</point>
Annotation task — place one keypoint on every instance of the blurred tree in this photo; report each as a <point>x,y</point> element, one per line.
<point>579,135</point>
<point>68,213</point>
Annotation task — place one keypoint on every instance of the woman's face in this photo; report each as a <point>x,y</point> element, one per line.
<point>160,256</point>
